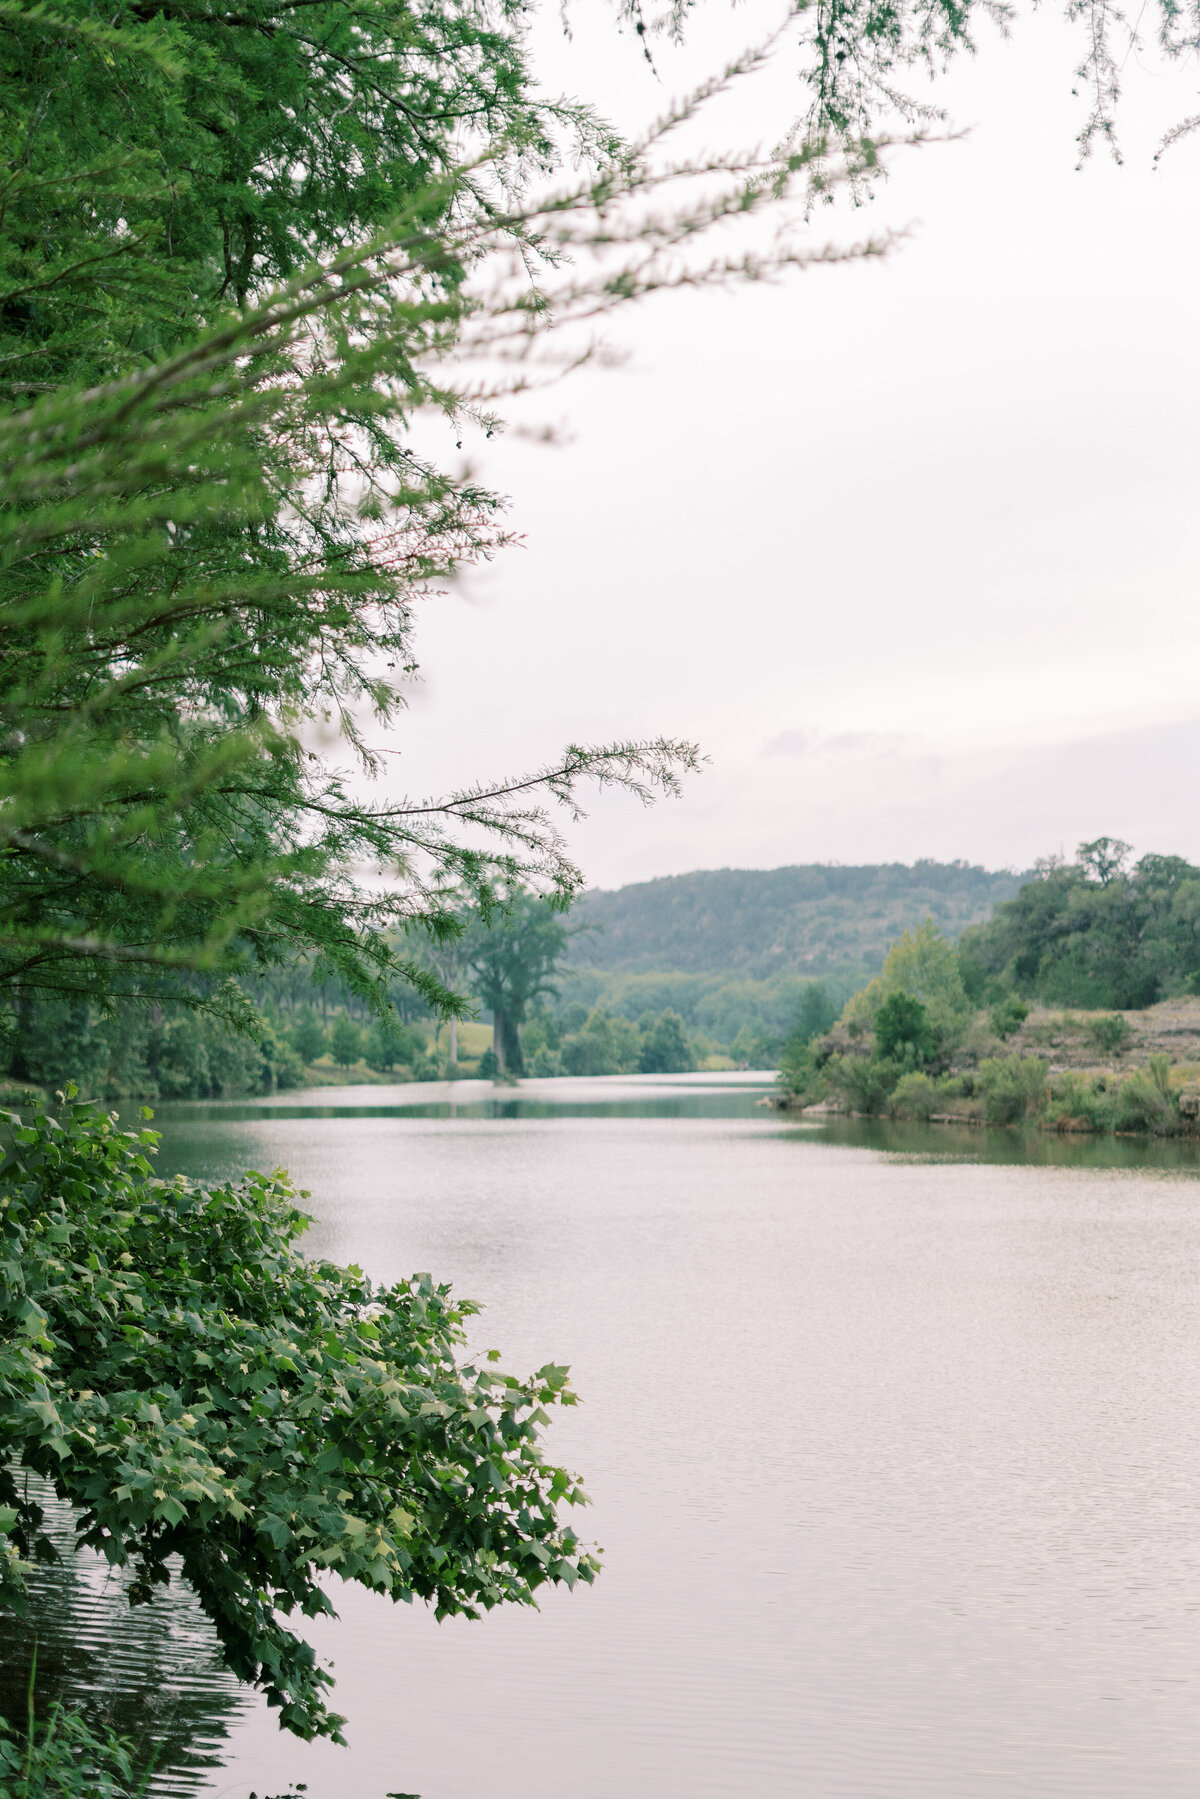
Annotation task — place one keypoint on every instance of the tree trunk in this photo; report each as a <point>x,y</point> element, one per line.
<point>454,1043</point>
<point>514,1060</point>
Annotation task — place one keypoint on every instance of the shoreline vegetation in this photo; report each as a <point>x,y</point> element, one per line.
<point>1075,1008</point>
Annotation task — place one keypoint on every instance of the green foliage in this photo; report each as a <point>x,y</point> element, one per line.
<point>605,1045</point>
<point>1145,1101</point>
<point>855,57</point>
<point>541,1042</point>
<point>513,956</point>
<point>723,1008</point>
<point>150,1052</point>
<point>1007,1017</point>
<point>801,1076</point>
<point>489,1065</point>
<point>196,1388</point>
<point>1013,1088</point>
<point>864,1083</point>
<point>389,1042</point>
<point>1110,1033</point>
<point>923,965</point>
<point>345,1041</point>
<point>64,1758</point>
<point>797,1066</point>
<point>752,1049</point>
<point>757,925</point>
<point>902,1029</point>
<point>664,1046</point>
<point>917,1095</point>
<point>1094,932</point>
<point>1080,1102</point>
<point>816,1012</point>
<point>309,1037</point>
<point>214,525</point>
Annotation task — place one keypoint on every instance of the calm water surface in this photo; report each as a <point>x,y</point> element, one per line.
<point>893,1437</point>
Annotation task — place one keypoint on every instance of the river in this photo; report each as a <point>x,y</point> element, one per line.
<point>892,1436</point>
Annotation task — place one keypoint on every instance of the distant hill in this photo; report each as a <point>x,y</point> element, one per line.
<point>815,919</point>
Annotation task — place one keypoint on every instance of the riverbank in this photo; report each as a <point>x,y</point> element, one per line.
<point>1079,1072</point>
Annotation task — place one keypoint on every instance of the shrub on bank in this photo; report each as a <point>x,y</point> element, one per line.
<point>1144,1101</point>
<point>1079,1102</point>
<point>1110,1033</point>
<point>917,1096</point>
<point>864,1083</point>
<point>1013,1088</point>
<point>800,1074</point>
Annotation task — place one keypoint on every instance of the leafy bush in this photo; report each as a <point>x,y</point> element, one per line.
<point>309,1037</point>
<point>605,1045</point>
<point>1144,1101</point>
<point>665,1048</point>
<point>345,1041</point>
<point>196,1388</point>
<point>1110,1033</point>
<point>1075,1100</point>
<point>917,1095</point>
<point>801,1076</point>
<point>489,1065</point>
<point>902,1025</point>
<point>1013,1088</point>
<point>865,1083</point>
<point>389,1042</point>
<point>1007,1017</point>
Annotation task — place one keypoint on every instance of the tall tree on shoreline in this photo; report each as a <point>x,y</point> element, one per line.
<point>513,961</point>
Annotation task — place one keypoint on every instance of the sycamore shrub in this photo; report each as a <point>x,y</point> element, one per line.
<point>195,1387</point>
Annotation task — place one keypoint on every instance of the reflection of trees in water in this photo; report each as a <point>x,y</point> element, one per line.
<point>149,1672</point>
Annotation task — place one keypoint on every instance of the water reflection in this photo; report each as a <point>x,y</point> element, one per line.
<point>1002,1145</point>
<point>148,1672</point>
<point>893,1434</point>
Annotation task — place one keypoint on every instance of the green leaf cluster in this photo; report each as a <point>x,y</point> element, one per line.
<point>1097,931</point>
<point>197,1388</point>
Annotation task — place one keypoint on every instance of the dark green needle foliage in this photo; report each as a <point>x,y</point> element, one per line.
<point>196,1387</point>
<point>218,543</point>
<point>214,527</point>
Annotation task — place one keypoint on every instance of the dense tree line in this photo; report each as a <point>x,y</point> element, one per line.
<point>1100,934</point>
<point>1098,931</point>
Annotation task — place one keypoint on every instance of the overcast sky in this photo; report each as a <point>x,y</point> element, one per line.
<point>910,548</point>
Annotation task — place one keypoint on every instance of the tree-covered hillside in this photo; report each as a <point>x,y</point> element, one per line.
<point>816,919</point>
